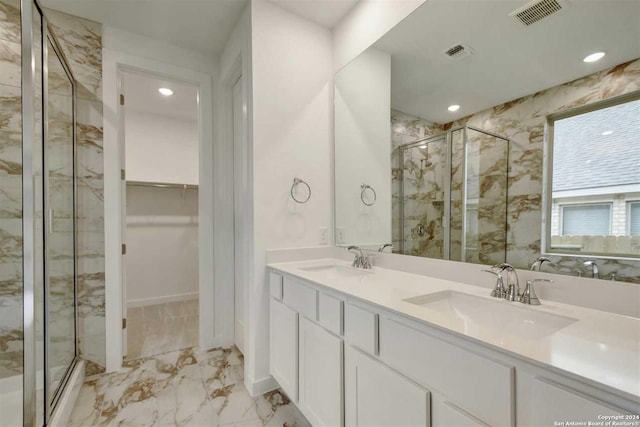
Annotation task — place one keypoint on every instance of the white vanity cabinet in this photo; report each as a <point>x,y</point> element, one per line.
<point>307,352</point>
<point>376,396</point>
<point>346,362</point>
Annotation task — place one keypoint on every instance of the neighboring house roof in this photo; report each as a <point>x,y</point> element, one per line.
<point>585,158</point>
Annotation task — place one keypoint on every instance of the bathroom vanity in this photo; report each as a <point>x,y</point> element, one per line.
<point>387,348</point>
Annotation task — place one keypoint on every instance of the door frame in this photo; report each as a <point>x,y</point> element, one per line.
<point>113,65</point>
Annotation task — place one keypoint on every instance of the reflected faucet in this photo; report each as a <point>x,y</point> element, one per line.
<point>537,264</point>
<point>594,268</point>
<point>386,245</point>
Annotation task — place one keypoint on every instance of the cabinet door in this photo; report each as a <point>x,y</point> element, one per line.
<point>283,346</point>
<point>320,375</point>
<point>377,396</point>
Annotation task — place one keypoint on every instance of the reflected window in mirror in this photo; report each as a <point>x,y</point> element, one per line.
<point>594,203</point>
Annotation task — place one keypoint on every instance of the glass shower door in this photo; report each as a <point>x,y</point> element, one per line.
<point>424,181</point>
<point>60,283</point>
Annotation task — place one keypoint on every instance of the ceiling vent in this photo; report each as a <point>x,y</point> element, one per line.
<point>536,10</point>
<point>459,51</point>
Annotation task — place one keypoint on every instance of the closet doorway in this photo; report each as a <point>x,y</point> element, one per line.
<point>159,215</point>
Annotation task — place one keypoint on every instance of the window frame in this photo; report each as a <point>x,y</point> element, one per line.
<point>565,204</point>
<point>547,179</point>
<point>629,203</point>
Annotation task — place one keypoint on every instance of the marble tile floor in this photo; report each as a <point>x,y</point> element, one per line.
<point>190,387</point>
<point>161,328</point>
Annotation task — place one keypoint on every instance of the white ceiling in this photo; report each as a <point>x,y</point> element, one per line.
<point>141,94</point>
<point>510,60</point>
<point>324,12</point>
<point>201,25</point>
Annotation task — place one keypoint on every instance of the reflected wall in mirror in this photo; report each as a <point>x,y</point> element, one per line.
<point>450,123</point>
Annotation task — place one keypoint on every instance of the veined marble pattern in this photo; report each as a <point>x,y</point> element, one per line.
<point>185,388</point>
<point>11,337</point>
<point>522,121</point>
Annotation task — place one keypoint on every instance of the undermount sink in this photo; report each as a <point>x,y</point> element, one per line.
<point>511,318</point>
<point>333,271</point>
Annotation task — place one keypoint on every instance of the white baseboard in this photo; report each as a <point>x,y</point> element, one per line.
<point>261,386</point>
<point>161,300</point>
<point>69,396</point>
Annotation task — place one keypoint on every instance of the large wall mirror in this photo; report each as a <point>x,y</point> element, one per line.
<point>485,131</point>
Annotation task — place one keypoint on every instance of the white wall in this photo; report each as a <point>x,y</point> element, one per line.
<point>365,24</point>
<point>162,245</point>
<point>363,149</point>
<point>160,148</point>
<point>292,137</point>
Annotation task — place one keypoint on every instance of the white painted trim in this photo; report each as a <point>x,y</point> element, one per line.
<point>261,386</point>
<point>69,396</point>
<point>162,300</point>
<point>113,63</point>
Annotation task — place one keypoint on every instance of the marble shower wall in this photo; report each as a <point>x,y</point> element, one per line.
<point>81,42</point>
<point>10,191</point>
<point>523,122</point>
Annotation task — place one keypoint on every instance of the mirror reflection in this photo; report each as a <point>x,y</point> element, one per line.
<point>461,131</point>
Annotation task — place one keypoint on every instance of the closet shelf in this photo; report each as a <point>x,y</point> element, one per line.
<point>162,185</point>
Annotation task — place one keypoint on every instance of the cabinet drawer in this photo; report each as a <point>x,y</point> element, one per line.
<point>275,285</point>
<point>481,387</point>
<point>361,328</point>
<point>330,313</point>
<point>301,298</point>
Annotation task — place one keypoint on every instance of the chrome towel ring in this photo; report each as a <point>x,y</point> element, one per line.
<point>297,181</point>
<point>365,187</point>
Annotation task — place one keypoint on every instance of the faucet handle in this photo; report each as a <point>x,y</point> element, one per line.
<point>529,295</point>
<point>498,291</point>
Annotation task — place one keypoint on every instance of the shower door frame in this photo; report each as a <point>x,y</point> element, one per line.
<point>448,136</point>
<point>446,188</point>
<point>28,79</point>
<point>52,397</point>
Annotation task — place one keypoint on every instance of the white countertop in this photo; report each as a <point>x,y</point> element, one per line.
<point>600,347</point>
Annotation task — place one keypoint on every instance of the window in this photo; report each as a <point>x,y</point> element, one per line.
<point>586,220</point>
<point>634,219</point>
<point>592,196</point>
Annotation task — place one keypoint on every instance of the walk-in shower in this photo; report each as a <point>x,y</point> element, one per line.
<point>452,200</point>
<point>38,285</point>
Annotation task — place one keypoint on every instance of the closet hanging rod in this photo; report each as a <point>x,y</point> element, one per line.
<point>162,185</point>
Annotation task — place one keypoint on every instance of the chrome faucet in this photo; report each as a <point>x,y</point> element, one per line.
<point>594,268</point>
<point>537,264</point>
<point>386,245</point>
<point>529,295</point>
<point>499,290</point>
<point>513,284</point>
<point>360,260</point>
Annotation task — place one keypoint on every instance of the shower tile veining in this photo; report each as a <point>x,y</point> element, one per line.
<point>190,387</point>
<point>161,328</point>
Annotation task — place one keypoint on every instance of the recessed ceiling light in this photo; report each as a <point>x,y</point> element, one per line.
<point>607,132</point>
<point>593,57</point>
<point>165,91</point>
<point>453,107</point>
